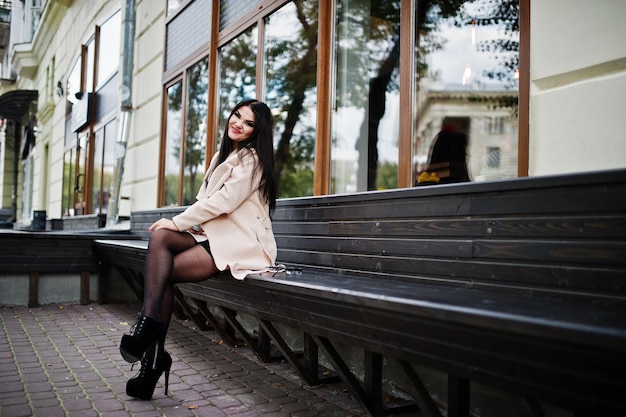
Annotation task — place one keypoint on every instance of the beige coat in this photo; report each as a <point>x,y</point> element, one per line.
<point>234,216</point>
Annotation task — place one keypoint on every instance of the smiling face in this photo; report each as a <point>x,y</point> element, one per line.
<point>241,124</point>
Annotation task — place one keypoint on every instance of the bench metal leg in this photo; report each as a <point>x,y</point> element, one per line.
<point>458,396</point>
<point>373,380</point>
<point>201,319</point>
<point>306,365</point>
<point>346,374</point>
<point>260,345</point>
<point>419,392</point>
<point>369,394</point>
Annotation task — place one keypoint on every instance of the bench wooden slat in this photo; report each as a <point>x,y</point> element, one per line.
<point>520,227</point>
<point>499,275</point>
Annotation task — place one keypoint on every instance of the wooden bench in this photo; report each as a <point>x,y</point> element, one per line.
<point>34,253</point>
<point>517,284</point>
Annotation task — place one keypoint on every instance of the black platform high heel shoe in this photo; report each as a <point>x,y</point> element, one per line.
<point>143,334</point>
<point>142,385</point>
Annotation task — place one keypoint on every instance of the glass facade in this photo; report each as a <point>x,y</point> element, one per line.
<point>439,96</point>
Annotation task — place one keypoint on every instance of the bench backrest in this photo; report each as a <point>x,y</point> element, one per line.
<point>551,234</point>
<point>561,233</point>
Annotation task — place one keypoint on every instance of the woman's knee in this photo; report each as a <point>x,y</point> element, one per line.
<point>158,238</point>
<point>171,240</point>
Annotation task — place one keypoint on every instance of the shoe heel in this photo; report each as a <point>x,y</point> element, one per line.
<point>142,385</point>
<point>167,379</point>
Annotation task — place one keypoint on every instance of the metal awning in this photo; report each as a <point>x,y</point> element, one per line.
<point>14,104</point>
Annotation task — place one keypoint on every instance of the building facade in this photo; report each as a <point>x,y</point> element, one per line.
<point>112,106</point>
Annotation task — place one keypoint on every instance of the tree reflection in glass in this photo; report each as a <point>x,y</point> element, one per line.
<point>195,130</point>
<point>364,149</point>
<point>237,67</point>
<point>173,136</point>
<point>290,77</point>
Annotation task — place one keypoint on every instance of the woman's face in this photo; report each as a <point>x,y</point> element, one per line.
<point>241,124</point>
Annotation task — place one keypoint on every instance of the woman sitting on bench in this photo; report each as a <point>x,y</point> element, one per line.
<point>227,228</point>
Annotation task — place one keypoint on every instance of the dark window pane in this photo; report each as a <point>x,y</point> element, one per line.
<point>231,10</point>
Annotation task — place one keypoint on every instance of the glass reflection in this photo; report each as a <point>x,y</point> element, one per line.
<point>195,131</point>
<point>173,140</point>
<point>109,48</point>
<point>237,75</point>
<point>290,77</point>
<point>103,166</point>
<point>466,91</point>
<point>364,148</point>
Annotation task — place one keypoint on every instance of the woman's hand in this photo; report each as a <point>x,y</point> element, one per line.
<point>163,224</point>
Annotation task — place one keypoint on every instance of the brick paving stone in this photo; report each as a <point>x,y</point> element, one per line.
<point>38,386</point>
<point>76,404</point>
<point>34,377</point>
<point>18,399</point>
<point>108,405</point>
<point>59,360</point>
<point>22,410</point>
<point>54,411</point>
<point>46,402</point>
<point>10,386</point>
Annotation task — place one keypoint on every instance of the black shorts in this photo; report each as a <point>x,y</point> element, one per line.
<point>205,245</point>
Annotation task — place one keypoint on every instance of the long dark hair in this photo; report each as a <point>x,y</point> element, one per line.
<point>261,140</point>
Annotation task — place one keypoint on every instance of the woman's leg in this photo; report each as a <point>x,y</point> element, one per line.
<point>172,257</point>
<point>193,265</point>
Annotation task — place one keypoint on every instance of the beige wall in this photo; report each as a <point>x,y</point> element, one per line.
<point>578,86</point>
<point>140,182</point>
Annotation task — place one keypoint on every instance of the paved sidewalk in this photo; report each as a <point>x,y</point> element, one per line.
<point>63,360</point>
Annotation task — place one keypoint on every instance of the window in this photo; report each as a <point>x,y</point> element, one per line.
<point>493,157</point>
<point>364,143</point>
<point>173,140</point>
<point>186,32</point>
<point>194,155</point>
<point>186,117</point>
<point>290,70</point>
<point>494,125</point>
<point>109,48</point>
<point>103,166</point>
<point>173,5</point>
<point>467,65</point>
<point>237,75</point>
<point>231,10</point>
<point>373,121</point>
